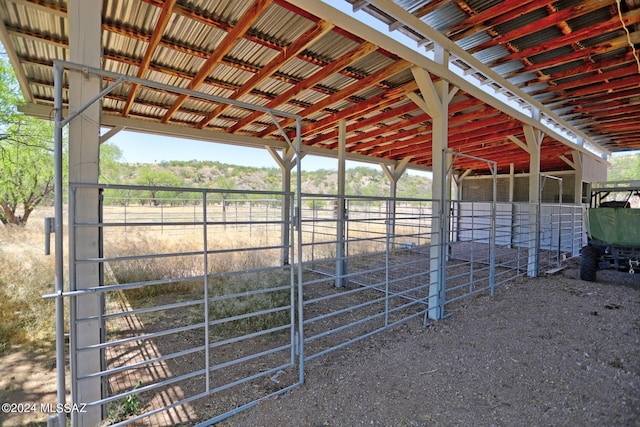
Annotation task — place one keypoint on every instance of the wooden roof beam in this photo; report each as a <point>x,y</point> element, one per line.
<point>613,86</point>
<point>629,114</point>
<point>598,99</point>
<point>581,68</point>
<point>596,78</point>
<point>373,135</point>
<point>291,52</point>
<point>379,102</point>
<point>391,8</point>
<point>422,118</point>
<point>307,83</point>
<point>412,147</point>
<point>154,41</point>
<point>553,19</point>
<point>378,76</point>
<point>202,17</point>
<point>252,14</point>
<point>605,47</point>
<point>496,15</point>
<point>457,124</point>
<point>630,18</point>
<point>373,120</point>
<point>605,108</point>
<point>395,140</point>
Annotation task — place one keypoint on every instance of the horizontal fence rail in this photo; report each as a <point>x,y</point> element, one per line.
<point>365,269</point>
<point>214,300</point>
<point>194,301</point>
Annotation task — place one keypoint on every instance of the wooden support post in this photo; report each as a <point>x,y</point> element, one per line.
<point>435,100</point>
<point>534,139</point>
<point>286,161</point>
<point>394,173</point>
<point>85,47</point>
<point>341,217</point>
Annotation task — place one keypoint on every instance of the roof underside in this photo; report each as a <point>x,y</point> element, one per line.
<point>576,58</point>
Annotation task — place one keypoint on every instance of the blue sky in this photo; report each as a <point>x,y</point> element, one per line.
<point>147,148</point>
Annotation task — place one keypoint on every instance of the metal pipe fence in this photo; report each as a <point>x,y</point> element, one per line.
<point>198,302</point>
<point>209,309</point>
<point>255,216</point>
<point>372,278</point>
<point>473,268</point>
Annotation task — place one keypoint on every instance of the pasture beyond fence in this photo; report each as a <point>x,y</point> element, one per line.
<point>208,307</point>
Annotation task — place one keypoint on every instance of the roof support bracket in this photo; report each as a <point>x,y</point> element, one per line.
<point>434,94</point>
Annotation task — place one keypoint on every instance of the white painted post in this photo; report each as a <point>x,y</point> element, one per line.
<point>286,162</point>
<point>435,102</point>
<point>534,141</point>
<point>85,47</point>
<point>394,173</point>
<point>577,182</point>
<point>513,209</point>
<point>341,262</point>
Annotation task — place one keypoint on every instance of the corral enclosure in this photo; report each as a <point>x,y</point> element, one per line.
<point>230,310</point>
<point>209,307</point>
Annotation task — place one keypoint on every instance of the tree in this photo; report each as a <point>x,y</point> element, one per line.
<point>624,168</point>
<point>225,183</point>
<point>26,154</point>
<point>155,178</point>
<point>110,163</point>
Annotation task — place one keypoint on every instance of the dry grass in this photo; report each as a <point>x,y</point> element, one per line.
<point>241,272</point>
<point>25,275</point>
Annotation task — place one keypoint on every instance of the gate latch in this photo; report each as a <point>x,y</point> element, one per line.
<point>49,227</point>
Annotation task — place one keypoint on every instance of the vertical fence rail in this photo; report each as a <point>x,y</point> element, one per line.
<point>387,277</point>
<point>185,287</point>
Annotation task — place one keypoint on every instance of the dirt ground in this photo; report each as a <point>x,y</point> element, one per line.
<point>547,351</point>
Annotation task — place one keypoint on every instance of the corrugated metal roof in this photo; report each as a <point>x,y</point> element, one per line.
<point>490,29</point>
<point>444,17</point>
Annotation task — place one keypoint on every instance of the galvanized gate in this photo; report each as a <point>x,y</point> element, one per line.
<point>196,305</point>
<point>171,298</point>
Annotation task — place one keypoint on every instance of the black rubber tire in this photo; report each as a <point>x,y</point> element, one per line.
<point>588,263</point>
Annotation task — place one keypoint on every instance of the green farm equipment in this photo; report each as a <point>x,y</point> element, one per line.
<point>612,223</point>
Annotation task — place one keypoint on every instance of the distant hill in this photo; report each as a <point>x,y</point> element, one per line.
<point>360,181</point>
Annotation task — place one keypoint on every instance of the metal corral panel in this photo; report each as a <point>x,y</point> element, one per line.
<point>473,222</point>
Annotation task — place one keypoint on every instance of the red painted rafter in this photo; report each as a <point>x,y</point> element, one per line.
<point>154,41</point>
<point>457,107</point>
<point>613,24</point>
<point>374,78</point>
<point>309,82</point>
<point>250,16</point>
<point>496,15</point>
<point>551,20</point>
<point>292,51</point>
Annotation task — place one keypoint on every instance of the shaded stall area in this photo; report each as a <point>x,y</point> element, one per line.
<point>191,306</point>
<point>203,317</point>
